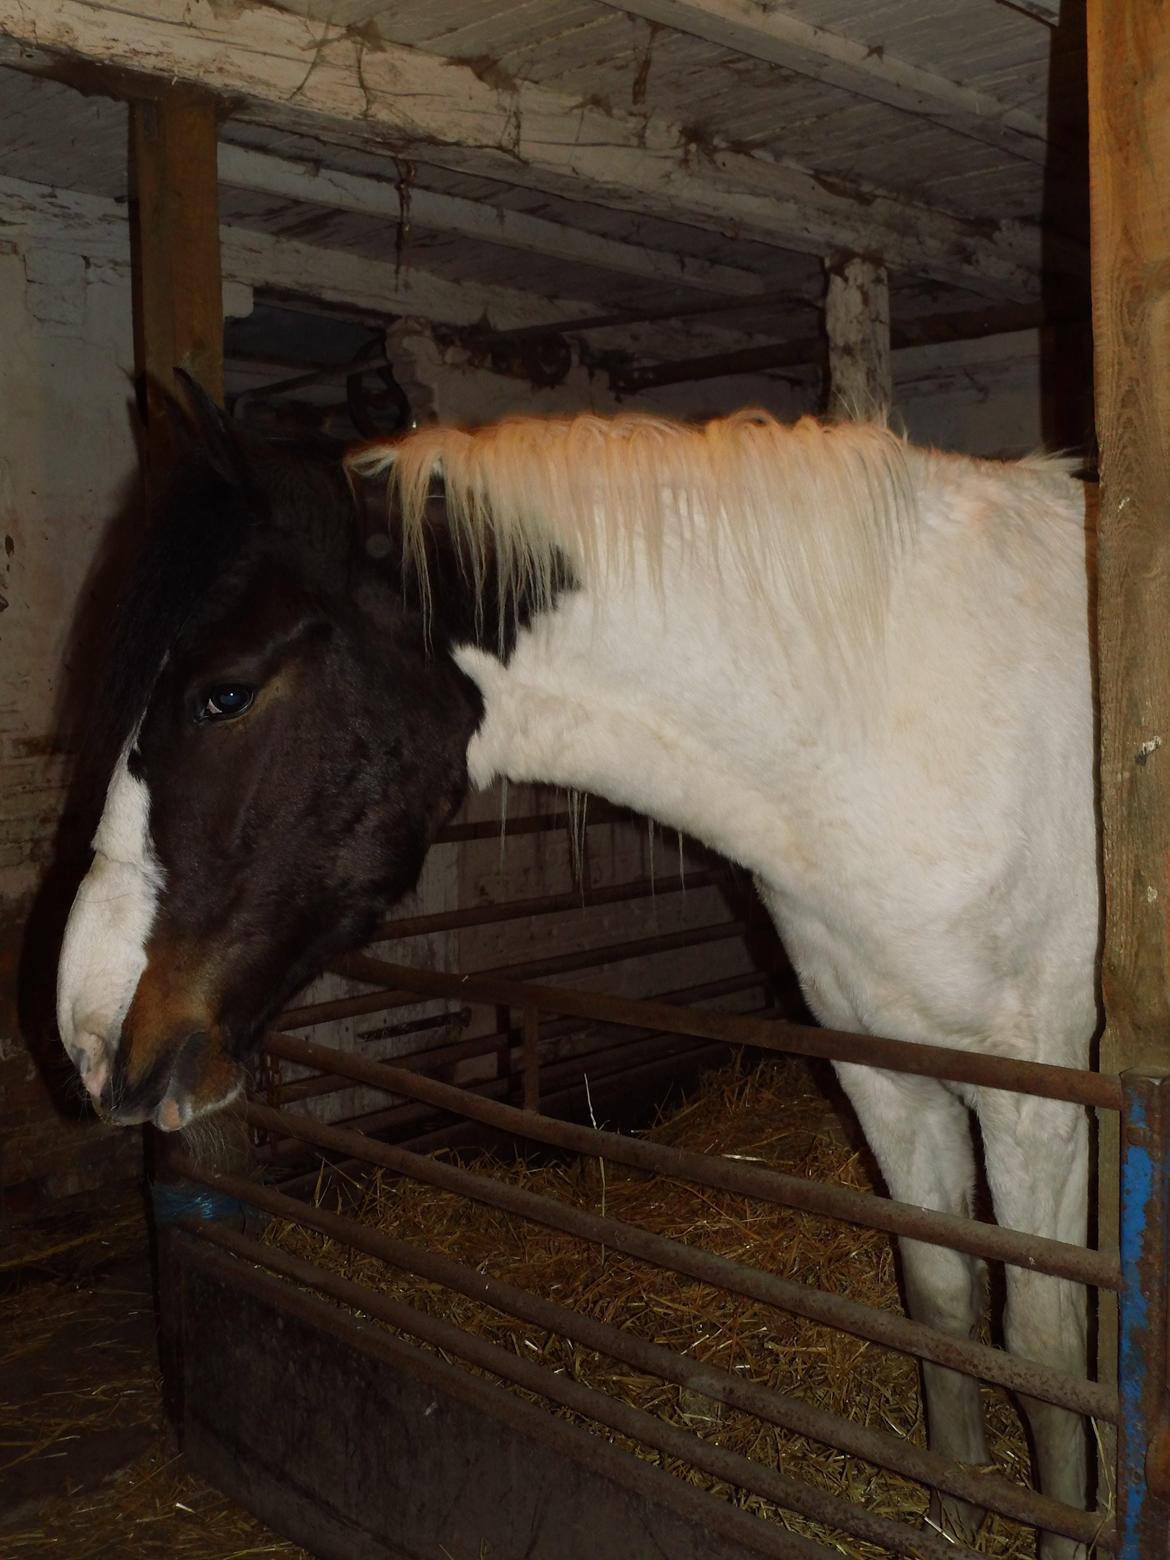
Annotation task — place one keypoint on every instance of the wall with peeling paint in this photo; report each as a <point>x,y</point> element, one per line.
<point>67,475</point>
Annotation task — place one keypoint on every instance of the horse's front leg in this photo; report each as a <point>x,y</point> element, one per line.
<point>921,1136</point>
<point>1038,1168</point>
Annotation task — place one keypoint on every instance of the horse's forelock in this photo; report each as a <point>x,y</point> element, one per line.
<point>201,528</point>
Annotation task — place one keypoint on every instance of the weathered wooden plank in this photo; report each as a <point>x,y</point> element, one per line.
<point>857,323</point>
<point>773,34</point>
<point>1129,44</point>
<point>96,227</point>
<point>1129,85</point>
<point>243,168</point>
<point>1043,10</point>
<point>178,287</point>
<point>291,73</point>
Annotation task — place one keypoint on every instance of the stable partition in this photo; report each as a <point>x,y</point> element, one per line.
<point>1137,1276</point>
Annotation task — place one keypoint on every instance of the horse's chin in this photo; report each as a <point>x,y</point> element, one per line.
<point>176,1113</point>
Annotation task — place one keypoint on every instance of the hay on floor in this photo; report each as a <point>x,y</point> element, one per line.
<point>773,1114</point>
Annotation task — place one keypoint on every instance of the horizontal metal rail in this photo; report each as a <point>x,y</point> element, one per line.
<point>426,1058</point>
<point>405,1119</point>
<point>554,964</point>
<point>545,904</point>
<point>1077,1086</point>
<point>559,1078</point>
<point>975,1237</point>
<point>990,1490</point>
<point>649,1429</point>
<point>863,1321</point>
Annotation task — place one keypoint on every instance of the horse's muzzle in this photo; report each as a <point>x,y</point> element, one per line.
<point>166,1094</point>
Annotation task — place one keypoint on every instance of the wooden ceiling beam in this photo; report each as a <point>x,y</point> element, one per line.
<point>96,226</point>
<point>244,168</point>
<point>772,34</point>
<point>310,77</point>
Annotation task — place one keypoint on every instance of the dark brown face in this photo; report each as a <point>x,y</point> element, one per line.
<point>300,747</point>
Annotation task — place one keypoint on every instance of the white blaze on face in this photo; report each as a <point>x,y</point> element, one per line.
<point>104,952</point>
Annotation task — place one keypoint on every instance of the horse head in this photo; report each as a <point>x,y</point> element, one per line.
<point>290,734</point>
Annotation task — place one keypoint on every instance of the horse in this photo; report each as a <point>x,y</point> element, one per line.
<point>858,668</point>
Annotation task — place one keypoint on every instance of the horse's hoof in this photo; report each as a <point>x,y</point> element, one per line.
<point>958,1519</point>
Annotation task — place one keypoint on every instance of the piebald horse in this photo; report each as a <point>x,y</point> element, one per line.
<point>858,668</point>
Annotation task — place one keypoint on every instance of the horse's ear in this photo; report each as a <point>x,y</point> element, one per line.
<point>201,423</point>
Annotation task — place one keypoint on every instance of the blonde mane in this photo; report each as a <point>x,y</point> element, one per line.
<point>819,512</point>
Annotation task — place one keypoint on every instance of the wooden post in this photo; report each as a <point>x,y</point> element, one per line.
<point>178,287</point>
<point>857,323</point>
<point>178,321</point>
<point>1129,152</point>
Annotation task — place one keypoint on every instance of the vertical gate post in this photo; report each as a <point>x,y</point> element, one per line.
<point>1143,1354</point>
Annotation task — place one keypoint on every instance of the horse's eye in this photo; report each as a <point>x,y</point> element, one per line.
<point>224,701</point>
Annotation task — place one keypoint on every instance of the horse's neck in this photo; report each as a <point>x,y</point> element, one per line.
<point>698,704</point>
<point>661,711</point>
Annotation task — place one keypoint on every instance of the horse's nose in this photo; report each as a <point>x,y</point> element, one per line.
<point>162,1094</point>
<point>174,1111</point>
<point>92,1062</point>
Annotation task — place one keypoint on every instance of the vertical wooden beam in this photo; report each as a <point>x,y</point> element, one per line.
<point>1129,153</point>
<point>857,323</point>
<point>178,286</point>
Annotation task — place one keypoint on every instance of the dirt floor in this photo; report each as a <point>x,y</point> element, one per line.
<point>86,1464</point>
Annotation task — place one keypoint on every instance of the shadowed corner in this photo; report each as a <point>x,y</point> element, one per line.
<point>36,931</point>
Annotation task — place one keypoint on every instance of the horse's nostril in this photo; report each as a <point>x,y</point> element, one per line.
<point>189,1063</point>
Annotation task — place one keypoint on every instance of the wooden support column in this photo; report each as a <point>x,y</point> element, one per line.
<point>178,288</point>
<point>1129,103</point>
<point>857,323</point>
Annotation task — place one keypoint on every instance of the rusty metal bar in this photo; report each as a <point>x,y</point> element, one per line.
<point>863,1321</point>
<point>742,1472</point>
<point>396,996</point>
<point>425,1058</point>
<point>989,1241</point>
<point>580,958</point>
<point>569,1099</point>
<point>531,1033</point>
<point>628,1060</point>
<point>1099,1090</point>
<point>545,904</point>
<point>990,1490</point>
<point>1143,1432</point>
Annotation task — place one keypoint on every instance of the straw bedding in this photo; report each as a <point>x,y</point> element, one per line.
<point>101,1388</point>
<point>773,1114</point>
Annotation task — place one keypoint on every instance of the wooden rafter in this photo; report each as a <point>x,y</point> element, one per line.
<point>773,34</point>
<point>95,226</point>
<point>308,76</point>
<point>243,168</point>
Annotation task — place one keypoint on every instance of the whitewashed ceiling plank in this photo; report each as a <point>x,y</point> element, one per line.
<point>776,36</point>
<point>287,71</point>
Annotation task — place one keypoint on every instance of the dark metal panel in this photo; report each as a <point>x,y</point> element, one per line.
<point>363,1448</point>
